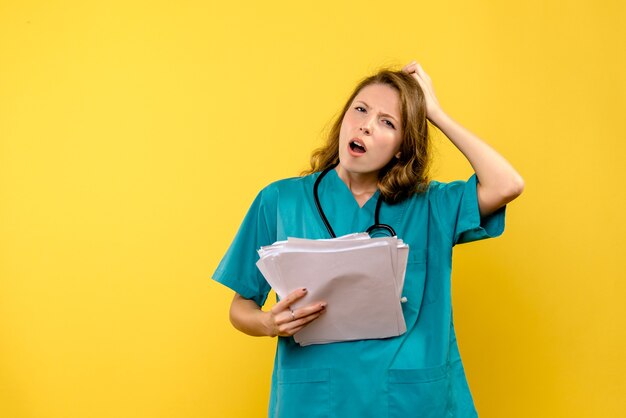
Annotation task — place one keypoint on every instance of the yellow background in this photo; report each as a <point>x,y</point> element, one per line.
<point>135,134</point>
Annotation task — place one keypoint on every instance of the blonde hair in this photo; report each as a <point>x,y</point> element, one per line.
<point>401,177</point>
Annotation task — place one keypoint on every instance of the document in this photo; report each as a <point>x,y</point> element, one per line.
<point>360,278</point>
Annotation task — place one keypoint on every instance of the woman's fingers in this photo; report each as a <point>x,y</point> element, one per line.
<point>422,73</point>
<point>285,322</point>
<point>290,328</point>
<point>291,298</point>
<point>286,316</point>
<point>411,67</point>
<point>415,70</point>
<point>308,310</point>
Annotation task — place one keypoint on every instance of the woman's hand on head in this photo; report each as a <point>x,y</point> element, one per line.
<point>433,109</point>
<point>282,321</point>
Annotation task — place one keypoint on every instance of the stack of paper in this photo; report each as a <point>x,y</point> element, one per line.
<point>360,278</point>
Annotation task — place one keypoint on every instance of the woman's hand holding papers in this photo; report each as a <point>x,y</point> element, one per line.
<point>247,316</point>
<point>283,322</point>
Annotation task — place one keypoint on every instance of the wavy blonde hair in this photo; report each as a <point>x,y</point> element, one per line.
<point>401,177</point>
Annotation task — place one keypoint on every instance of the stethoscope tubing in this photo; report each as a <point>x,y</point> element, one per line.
<point>376,225</point>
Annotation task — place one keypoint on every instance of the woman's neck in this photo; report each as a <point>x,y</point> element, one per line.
<point>362,186</point>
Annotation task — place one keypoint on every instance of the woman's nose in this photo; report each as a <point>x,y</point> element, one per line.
<point>365,126</point>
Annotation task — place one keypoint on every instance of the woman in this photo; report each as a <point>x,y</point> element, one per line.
<point>378,148</point>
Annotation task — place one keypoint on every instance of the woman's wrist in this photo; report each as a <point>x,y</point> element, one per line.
<point>438,118</point>
<point>249,318</point>
<point>266,324</point>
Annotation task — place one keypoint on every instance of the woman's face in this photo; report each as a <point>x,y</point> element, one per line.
<point>371,130</point>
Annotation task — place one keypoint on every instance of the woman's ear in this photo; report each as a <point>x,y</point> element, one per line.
<point>398,155</point>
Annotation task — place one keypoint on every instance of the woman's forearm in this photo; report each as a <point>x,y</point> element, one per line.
<point>247,317</point>
<point>280,320</point>
<point>499,181</point>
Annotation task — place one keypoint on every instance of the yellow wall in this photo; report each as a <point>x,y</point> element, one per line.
<point>135,134</point>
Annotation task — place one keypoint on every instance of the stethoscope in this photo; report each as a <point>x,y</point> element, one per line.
<point>377,224</point>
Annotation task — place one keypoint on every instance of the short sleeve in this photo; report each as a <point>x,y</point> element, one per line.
<point>455,207</point>
<point>238,269</point>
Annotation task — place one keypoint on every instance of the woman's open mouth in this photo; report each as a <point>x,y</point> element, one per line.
<point>357,147</point>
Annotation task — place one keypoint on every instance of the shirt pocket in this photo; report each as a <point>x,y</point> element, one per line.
<point>418,392</point>
<point>303,393</point>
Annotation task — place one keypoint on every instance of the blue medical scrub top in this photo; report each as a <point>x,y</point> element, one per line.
<point>417,374</point>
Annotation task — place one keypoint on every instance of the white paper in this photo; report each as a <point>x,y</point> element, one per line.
<point>360,278</point>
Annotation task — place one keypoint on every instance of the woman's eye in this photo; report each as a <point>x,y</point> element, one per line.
<point>359,107</point>
<point>389,124</point>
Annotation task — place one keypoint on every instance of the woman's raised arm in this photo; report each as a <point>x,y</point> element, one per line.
<point>498,182</point>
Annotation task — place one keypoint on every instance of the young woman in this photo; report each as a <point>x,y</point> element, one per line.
<point>378,149</point>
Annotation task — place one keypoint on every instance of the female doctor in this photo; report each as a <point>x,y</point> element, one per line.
<point>377,150</point>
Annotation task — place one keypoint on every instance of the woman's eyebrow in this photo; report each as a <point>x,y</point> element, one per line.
<point>384,114</point>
